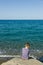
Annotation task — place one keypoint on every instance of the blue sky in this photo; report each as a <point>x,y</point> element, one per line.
<point>21,9</point>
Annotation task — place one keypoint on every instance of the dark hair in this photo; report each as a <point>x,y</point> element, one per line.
<point>28,44</point>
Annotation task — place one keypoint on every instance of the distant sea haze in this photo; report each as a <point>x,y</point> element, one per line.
<point>15,33</point>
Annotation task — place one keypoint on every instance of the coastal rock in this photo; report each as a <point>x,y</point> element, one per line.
<point>19,61</point>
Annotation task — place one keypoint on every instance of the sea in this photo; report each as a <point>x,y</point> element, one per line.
<point>15,33</point>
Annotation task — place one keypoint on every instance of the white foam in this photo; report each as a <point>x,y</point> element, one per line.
<point>32,56</point>
<point>9,55</point>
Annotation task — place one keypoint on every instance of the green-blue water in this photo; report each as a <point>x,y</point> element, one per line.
<point>14,34</point>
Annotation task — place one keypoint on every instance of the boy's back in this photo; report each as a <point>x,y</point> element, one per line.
<point>25,53</point>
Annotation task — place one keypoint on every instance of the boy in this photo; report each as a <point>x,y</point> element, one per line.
<point>26,51</point>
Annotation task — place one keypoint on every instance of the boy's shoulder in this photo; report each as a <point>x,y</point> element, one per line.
<point>25,49</point>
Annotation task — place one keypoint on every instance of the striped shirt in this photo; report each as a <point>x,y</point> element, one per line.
<point>25,53</point>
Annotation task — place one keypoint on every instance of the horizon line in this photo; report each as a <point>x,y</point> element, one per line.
<point>21,19</point>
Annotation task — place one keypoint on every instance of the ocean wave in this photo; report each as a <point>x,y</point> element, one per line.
<point>12,52</point>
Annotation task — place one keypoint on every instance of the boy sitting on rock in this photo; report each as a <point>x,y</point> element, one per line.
<point>26,51</point>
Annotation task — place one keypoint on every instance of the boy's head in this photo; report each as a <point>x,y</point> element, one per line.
<point>27,45</point>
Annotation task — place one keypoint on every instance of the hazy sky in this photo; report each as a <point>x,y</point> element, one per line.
<point>21,9</point>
